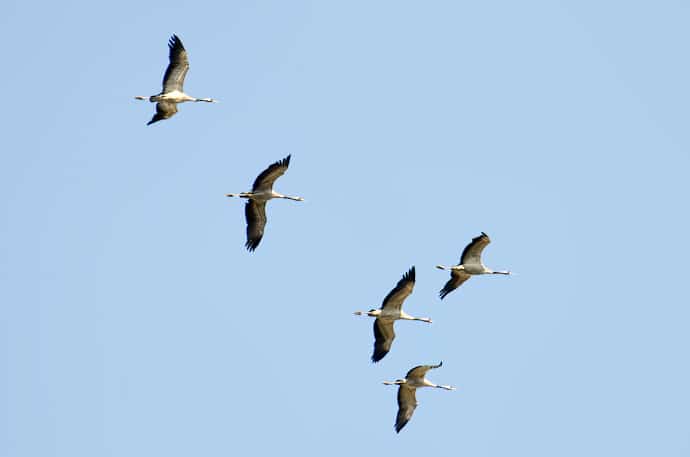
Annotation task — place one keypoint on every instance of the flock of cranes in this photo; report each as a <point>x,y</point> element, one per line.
<point>391,311</point>
<point>255,214</point>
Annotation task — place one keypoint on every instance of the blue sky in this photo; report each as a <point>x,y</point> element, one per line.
<point>136,324</point>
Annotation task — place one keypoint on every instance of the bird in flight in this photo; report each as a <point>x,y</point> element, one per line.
<point>262,191</point>
<point>390,311</point>
<point>470,265</point>
<point>173,80</point>
<point>407,398</point>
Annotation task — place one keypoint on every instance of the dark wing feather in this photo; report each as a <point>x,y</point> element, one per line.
<point>255,213</point>
<point>164,110</point>
<point>177,68</point>
<point>473,251</point>
<point>401,291</point>
<point>456,279</point>
<point>407,402</point>
<point>267,177</point>
<point>421,370</point>
<point>384,335</point>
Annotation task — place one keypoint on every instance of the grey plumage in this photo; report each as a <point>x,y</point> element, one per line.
<point>172,91</point>
<point>407,397</point>
<point>470,264</point>
<point>262,191</point>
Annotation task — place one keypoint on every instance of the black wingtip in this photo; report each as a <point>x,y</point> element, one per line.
<point>377,357</point>
<point>251,245</point>
<point>175,42</point>
<point>410,274</point>
<point>286,161</point>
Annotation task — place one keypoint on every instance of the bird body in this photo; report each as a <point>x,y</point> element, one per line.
<point>264,196</point>
<point>407,392</point>
<point>173,81</point>
<point>262,191</point>
<point>390,311</point>
<point>175,96</point>
<point>470,265</point>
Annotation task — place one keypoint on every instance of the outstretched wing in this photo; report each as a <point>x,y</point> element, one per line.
<point>255,213</point>
<point>421,370</point>
<point>384,335</point>
<point>457,277</point>
<point>472,254</point>
<point>407,402</point>
<point>164,110</point>
<point>177,68</point>
<point>265,180</point>
<point>400,292</point>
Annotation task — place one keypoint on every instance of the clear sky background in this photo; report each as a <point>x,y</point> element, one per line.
<point>136,324</point>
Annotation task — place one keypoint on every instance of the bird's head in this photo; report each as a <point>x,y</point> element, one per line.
<point>396,382</point>
<point>372,312</point>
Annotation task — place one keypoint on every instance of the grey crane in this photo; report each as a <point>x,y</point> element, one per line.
<point>390,311</point>
<point>407,398</point>
<point>262,191</point>
<point>173,80</point>
<point>470,265</point>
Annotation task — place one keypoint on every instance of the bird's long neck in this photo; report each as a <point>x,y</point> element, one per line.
<point>241,195</point>
<point>453,267</point>
<point>396,382</point>
<point>500,272</point>
<point>373,313</point>
<point>207,100</point>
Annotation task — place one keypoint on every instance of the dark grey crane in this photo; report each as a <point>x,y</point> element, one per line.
<point>173,80</point>
<point>407,398</point>
<point>262,191</point>
<point>470,265</point>
<point>390,311</point>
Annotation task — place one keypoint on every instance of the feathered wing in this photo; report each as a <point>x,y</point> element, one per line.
<point>177,68</point>
<point>164,110</point>
<point>457,277</point>
<point>384,334</point>
<point>407,402</point>
<point>400,292</point>
<point>267,177</point>
<point>255,213</point>
<point>472,254</point>
<point>421,370</point>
